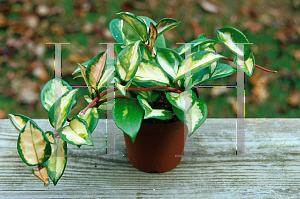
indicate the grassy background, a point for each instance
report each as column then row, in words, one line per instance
column 27, row 62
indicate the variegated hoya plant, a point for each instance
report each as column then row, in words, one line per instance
column 144, row 72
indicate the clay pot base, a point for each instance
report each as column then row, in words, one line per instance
column 155, row 147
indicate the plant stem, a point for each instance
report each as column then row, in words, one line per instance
column 110, row 98
column 257, row 66
column 90, row 105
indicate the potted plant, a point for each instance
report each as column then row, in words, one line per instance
column 154, row 100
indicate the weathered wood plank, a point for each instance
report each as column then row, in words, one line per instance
column 270, row 167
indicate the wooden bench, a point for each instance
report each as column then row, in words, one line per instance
column 269, row 168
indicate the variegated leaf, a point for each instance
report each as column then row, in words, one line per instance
column 136, row 23
column 77, row 133
column 91, row 117
column 50, row 136
column 102, row 107
column 149, row 74
column 169, row 61
column 222, row 70
column 33, row 145
column 120, row 87
column 193, row 45
column 246, row 65
column 95, row 68
column 195, row 117
column 197, row 62
column 84, row 64
column 56, row 164
column 213, row 66
column 128, row 115
column 83, row 74
column 19, row 121
column 108, row 74
column 60, row 110
column 42, row 175
column 166, row 24
column 115, row 27
column 49, row 93
column 231, row 37
column 183, row 101
column 160, row 41
column 128, row 61
column 161, row 114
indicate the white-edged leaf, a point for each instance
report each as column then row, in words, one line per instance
column 83, row 74
column 77, row 133
column 91, row 118
column 234, row 39
column 56, row 164
column 150, row 74
column 128, row 61
column 95, row 68
column 169, row 60
column 246, row 65
column 49, row 94
column 33, row 145
column 166, row 24
column 183, row 101
column 108, row 73
column 19, row 121
column 195, row 117
column 120, row 87
column 161, row 114
column 150, row 96
column 60, row 110
column 197, row 62
column 136, row 23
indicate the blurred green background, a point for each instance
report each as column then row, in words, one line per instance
column 27, row 63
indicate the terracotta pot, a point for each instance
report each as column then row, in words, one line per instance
column 156, row 145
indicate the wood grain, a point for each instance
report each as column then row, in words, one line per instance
column 270, row 168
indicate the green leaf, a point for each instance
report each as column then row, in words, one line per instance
column 222, row 70
column 128, row 116
column 178, row 99
column 149, row 74
column 160, row 41
column 77, row 133
column 230, row 37
column 195, row 117
column 33, row 146
column 56, row 164
column 91, row 117
column 169, row 61
column 136, row 23
column 198, row 61
column 19, row 121
column 42, row 175
column 115, row 27
column 128, row 61
column 161, row 114
column 95, row 68
column 166, row 24
column 48, row 93
column 60, row 110
column 247, row 65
